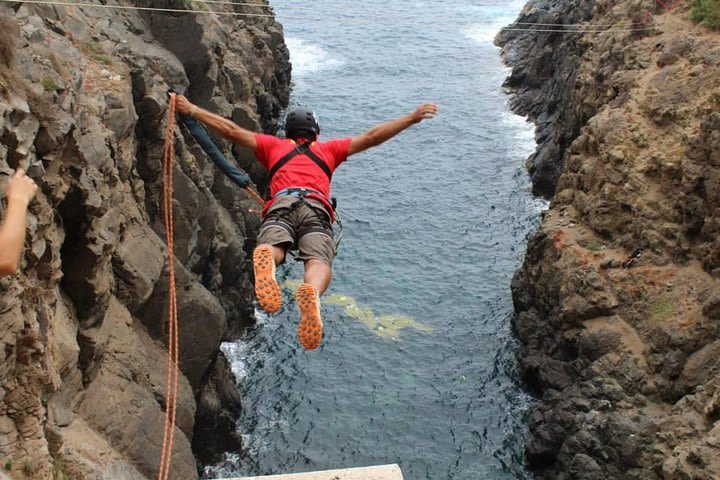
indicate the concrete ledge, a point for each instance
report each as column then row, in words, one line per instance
column 381, row 472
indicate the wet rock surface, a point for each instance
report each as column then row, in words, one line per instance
column 617, row 299
column 83, row 326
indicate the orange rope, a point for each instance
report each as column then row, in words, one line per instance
column 172, row 384
column 173, row 373
column 255, row 196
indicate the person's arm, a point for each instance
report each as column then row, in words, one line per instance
column 237, row 176
column 385, row 131
column 219, row 125
column 20, row 190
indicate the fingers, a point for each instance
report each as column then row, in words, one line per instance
column 427, row 110
column 21, row 179
column 21, row 187
column 27, row 183
column 182, row 104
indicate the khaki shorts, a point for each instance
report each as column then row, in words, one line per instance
column 303, row 226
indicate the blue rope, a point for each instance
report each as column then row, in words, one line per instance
column 237, row 176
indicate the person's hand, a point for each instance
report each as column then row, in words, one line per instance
column 424, row 111
column 183, row 106
column 20, row 188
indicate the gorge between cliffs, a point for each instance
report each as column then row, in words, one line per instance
column 617, row 301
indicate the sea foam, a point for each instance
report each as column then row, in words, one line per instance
column 485, row 32
column 307, row 57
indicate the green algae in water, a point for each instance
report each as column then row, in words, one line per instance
column 386, row 326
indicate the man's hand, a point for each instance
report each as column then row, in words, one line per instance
column 21, row 188
column 183, row 106
column 219, row 125
column 385, row 131
column 424, row 111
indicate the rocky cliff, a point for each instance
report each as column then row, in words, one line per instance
column 618, row 299
column 82, row 327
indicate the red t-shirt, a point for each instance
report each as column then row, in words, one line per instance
column 301, row 171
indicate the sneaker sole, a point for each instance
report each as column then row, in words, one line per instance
column 267, row 291
column 311, row 327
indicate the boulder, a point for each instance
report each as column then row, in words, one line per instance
column 137, row 265
column 217, row 411
column 711, row 306
column 124, row 401
column 201, row 322
column 701, row 367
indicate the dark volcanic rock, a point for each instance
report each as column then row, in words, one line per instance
column 83, row 97
column 617, row 300
column 544, row 68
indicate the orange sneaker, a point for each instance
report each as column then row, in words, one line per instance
column 310, row 328
column 267, row 290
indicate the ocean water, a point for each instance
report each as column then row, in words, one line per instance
column 416, row 366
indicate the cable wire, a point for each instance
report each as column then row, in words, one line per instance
column 133, row 7
column 576, row 31
column 562, row 28
column 333, row 10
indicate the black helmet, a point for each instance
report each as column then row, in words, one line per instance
column 301, row 121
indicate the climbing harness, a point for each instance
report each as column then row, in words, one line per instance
column 173, row 373
column 304, row 192
column 301, row 149
column 324, row 218
column 304, row 149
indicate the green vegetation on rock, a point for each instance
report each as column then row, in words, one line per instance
column 201, row 5
column 49, row 84
column 28, row 469
column 103, row 59
column 661, row 309
column 4, row 85
column 707, row 12
column 59, row 470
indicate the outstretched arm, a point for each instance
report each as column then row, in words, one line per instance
column 219, row 125
column 237, row 176
column 385, row 131
column 20, row 190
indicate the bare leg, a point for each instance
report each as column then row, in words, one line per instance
column 317, row 278
column 318, row 274
column 278, row 253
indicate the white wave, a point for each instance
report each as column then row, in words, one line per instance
column 227, row 467
column 523, row 132
column 261, row 318
column 484, row 33
column 538, row 204
column 236, row 353
column 521, row 126
column 307, row 57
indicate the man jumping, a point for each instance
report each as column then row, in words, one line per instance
column 300, row 214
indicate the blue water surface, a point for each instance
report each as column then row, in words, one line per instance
column 435, row 224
